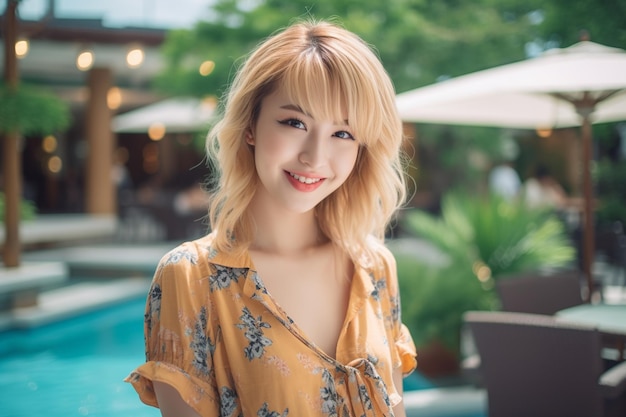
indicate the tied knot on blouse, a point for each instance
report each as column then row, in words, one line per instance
column 367, row 389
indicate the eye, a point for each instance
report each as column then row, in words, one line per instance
column 342, row 134
column 293, row 122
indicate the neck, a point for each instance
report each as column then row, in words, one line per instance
column 284, row 232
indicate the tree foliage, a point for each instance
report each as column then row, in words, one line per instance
column 31, row 110
column 563, row 20
column 419, row 41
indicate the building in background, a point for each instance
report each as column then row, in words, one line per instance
column 100, row 71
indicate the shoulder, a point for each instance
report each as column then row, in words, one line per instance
column 187, row 253
column 380, row 255
column 200, row 259
column 206, row 248
column 381, row 264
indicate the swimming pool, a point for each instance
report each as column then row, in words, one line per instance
column 74, row 367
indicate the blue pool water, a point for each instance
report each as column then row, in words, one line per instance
column 76, row 367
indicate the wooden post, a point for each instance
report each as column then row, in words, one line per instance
column 12, row 171
column 99, row 186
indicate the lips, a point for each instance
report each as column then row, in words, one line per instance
column 303, row 179
column 303, row 183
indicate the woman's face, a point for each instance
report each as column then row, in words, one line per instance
column 299, row 160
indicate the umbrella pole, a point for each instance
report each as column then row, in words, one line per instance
column 588, row 237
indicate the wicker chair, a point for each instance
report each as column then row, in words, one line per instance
column 534, row 365
column 540, row 293
column 536, row 293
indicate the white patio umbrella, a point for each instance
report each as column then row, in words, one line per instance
column 175, row 115
column 563, row 87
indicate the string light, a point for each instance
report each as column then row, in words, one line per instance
column 49, row 144
column 156, row 131
column 55, row 164
column 206, row 68
column 544, row 132
column 21, row 48
column 84, row 61
column 114, row 98
column 135, row 57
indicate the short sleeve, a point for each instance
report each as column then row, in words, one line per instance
column 179, row 345
column 406, row 350
column 405, row 353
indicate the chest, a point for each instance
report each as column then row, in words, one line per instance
column 314, row 293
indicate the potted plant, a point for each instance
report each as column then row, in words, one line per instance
column 482, row 239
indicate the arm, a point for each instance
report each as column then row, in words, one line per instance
column 398, row 410
column 170, row 379
column 170, row 402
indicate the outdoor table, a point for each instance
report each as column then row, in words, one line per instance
column 610, row 320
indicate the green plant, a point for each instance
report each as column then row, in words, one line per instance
column 435, row 297
column 505, row 237
column 483, row 239
column 28, row 211
column 31, row 110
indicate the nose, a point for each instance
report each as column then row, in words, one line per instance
column 314, row 151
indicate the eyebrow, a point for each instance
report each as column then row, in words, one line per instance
column 300, row 110
column 294, row 108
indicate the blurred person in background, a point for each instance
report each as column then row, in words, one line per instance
column 541, row 190
column 504, row 181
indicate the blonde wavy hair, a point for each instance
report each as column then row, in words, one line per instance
column 325, row 69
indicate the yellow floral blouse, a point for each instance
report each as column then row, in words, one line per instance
column 214, row 333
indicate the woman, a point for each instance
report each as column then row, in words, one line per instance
column 290, row 306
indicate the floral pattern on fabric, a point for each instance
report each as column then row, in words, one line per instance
column 228, row 400
column 328, row 394
column 265, row 412
column 254, row 333
column 215, row 334
column 223, row 277
column 201, row 344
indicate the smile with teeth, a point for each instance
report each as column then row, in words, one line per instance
column 305, row 180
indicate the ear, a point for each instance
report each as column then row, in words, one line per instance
column 249, row 138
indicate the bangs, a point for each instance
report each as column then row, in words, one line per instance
column 329, row 91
